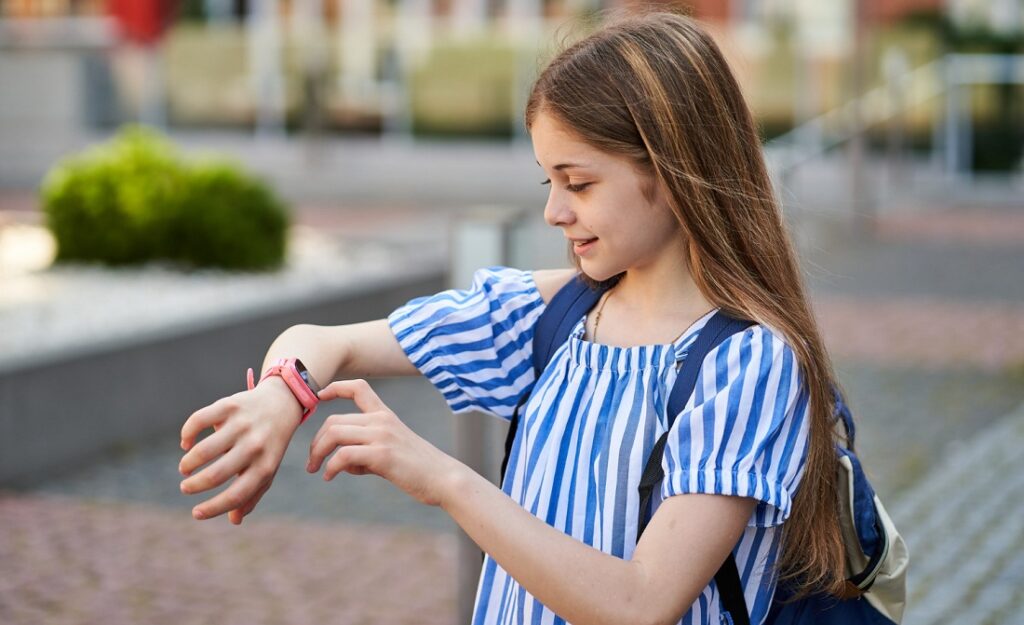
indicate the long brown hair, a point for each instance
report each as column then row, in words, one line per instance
column 655, row 88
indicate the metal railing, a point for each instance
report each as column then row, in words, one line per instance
column 904, row 89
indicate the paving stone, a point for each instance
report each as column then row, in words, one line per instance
column 986, row 227
column 925, row 333
column 965, row 532
column 216, row 574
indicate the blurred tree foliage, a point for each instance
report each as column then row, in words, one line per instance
column 134, row 200
column 998, row 129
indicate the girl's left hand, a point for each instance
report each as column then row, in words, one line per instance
column 378, row 442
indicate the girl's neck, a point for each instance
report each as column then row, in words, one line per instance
column 642, row 309
column 660, row 292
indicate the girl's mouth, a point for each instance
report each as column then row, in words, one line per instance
column 581, row 247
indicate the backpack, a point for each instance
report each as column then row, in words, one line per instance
column 876, row 555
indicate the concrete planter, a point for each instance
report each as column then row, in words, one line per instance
column 62, row 410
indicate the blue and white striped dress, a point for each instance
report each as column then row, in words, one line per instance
column 593, row 417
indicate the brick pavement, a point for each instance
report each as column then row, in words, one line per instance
column 977, row 226
column 69, row 561
column 964, row 526
column 923, row 332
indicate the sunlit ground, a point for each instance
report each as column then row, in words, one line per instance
column 25, row 248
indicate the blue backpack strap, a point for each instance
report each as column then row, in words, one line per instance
column 716, row 330
column 570, row 303
column 843, row 412
column 564, row 310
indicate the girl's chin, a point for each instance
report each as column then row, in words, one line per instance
column 596, row 272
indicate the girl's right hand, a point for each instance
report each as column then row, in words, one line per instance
column 253, row 429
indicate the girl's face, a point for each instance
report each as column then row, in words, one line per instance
column 596, row 198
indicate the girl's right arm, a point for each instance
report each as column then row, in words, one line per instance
column 253, row 428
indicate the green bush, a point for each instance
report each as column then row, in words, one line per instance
column 134, row 200
column 106, row 204
column 230, row 220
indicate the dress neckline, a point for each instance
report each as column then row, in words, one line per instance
column 622, row 358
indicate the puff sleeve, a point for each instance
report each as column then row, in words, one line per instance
column 475, row 345
column 744, row 430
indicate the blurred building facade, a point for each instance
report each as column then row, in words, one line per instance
column 431, row 67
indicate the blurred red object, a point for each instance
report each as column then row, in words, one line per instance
column 142, row 21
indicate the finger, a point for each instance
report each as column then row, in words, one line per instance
column 209, row 448
column 204, row 418
column 231, row 498
column 355, row 460
column 249, row 507
column 236, row 460
column 236, row 515
column 339, row 419
column 357, row 390
column 337, row 436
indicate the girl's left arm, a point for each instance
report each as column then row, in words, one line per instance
column 679, row 553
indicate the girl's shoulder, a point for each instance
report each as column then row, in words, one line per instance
column 760, row 356
column 549, row 281
column 760, row 336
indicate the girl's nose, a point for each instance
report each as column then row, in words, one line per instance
column 557, row 211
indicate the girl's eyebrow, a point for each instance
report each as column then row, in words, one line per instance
column 562, row 166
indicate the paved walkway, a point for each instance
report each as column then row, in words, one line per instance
column 964, row 526
column 67, row 560
column 925, row 325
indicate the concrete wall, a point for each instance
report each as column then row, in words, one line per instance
column 43, row 89
column 56, row 415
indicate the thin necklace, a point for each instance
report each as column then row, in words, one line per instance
column 597, row 318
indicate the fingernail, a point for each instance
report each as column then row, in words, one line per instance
column 309, row 467
column 199, row 515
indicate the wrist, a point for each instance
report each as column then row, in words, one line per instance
column 456, row 479
column 297, row 378
column 276, row 390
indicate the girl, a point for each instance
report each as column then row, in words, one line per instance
column 657, row 180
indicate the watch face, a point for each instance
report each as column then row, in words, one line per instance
column 306, row 377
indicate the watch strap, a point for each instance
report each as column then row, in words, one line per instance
column 292, row 379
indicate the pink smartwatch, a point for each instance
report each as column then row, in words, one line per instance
column 298, row 379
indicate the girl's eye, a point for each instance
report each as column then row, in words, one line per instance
column 572, row 188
